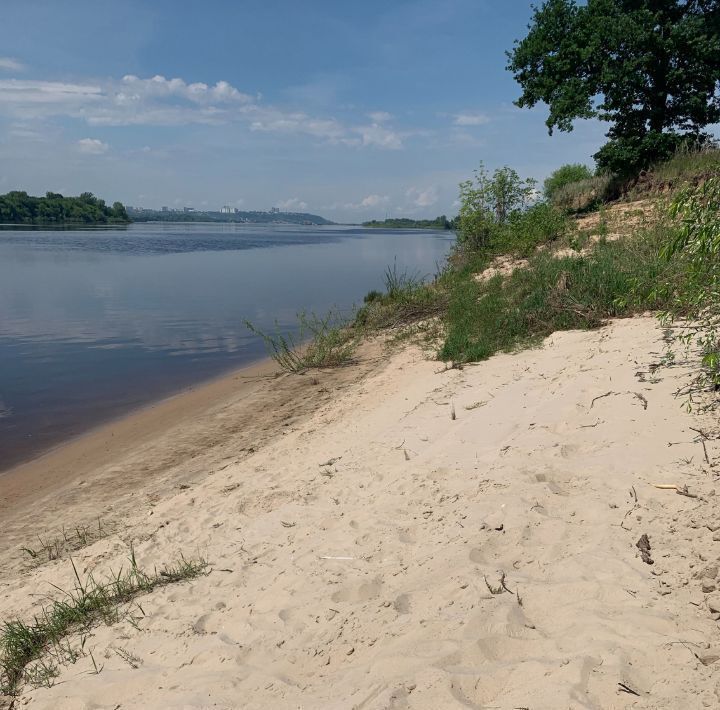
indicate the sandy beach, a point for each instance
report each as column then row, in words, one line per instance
column 395, row 534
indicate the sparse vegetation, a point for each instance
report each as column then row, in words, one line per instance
column 692, row 244
column 321, row 341
column 68, row 541
column 32, row 652
column 407, row 299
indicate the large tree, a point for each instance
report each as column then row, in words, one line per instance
column 649, row 67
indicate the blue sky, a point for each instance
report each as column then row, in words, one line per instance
column 349, row 110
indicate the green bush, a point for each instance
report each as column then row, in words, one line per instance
column 540, row 224
column 488, row 201
column 565, row 175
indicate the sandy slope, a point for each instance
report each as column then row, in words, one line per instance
column 362, row 584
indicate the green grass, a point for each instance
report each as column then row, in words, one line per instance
column 551, row 294
column 30, row 652
column 687, row 164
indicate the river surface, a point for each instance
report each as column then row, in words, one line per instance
column 97, row 322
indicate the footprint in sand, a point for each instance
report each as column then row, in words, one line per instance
column 406, row 536
column 402, row 604
column 363, row 593
column 477, row 556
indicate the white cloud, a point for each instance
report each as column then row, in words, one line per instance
column 28, row 133
column 377, row 135
column 463, row 137
column 134, row 88
column 10, row 64
column 422, row 198
column 294, row 204
column 368, row 202
column 158, row 101
column 92, row 146
column 271, row 120
column 374, row 201
column 470, row 119
column 56, row 96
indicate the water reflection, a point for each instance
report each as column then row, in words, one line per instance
column 94, row 322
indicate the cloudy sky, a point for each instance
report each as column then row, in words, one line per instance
column 349, row 110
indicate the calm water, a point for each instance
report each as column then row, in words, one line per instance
column 96, row 322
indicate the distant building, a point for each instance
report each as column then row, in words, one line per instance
column 188, row 209
column 164, row 209
column 274, row 210
column 225, row 210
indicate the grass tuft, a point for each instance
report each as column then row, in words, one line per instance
column 322, row 341
column 69, row 540
column 32, row 652
column 407, row 300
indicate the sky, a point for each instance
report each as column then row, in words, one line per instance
column 350, row 110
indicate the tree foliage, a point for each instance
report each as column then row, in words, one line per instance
column 18, row 207
column 651, row 68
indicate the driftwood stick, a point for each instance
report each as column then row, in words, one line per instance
column 600, row 396
column 627, row 689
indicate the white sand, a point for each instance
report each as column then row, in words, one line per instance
column 366, row 588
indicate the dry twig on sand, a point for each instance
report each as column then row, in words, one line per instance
column 680, row 490
column 627, row 689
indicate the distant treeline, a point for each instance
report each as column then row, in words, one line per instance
column 144, row 215
column 20, row 208
column 233, row 217
column 441, row 222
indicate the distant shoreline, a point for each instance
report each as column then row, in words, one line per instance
column 439, row 223
column 18, row 207
column 233, row 217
